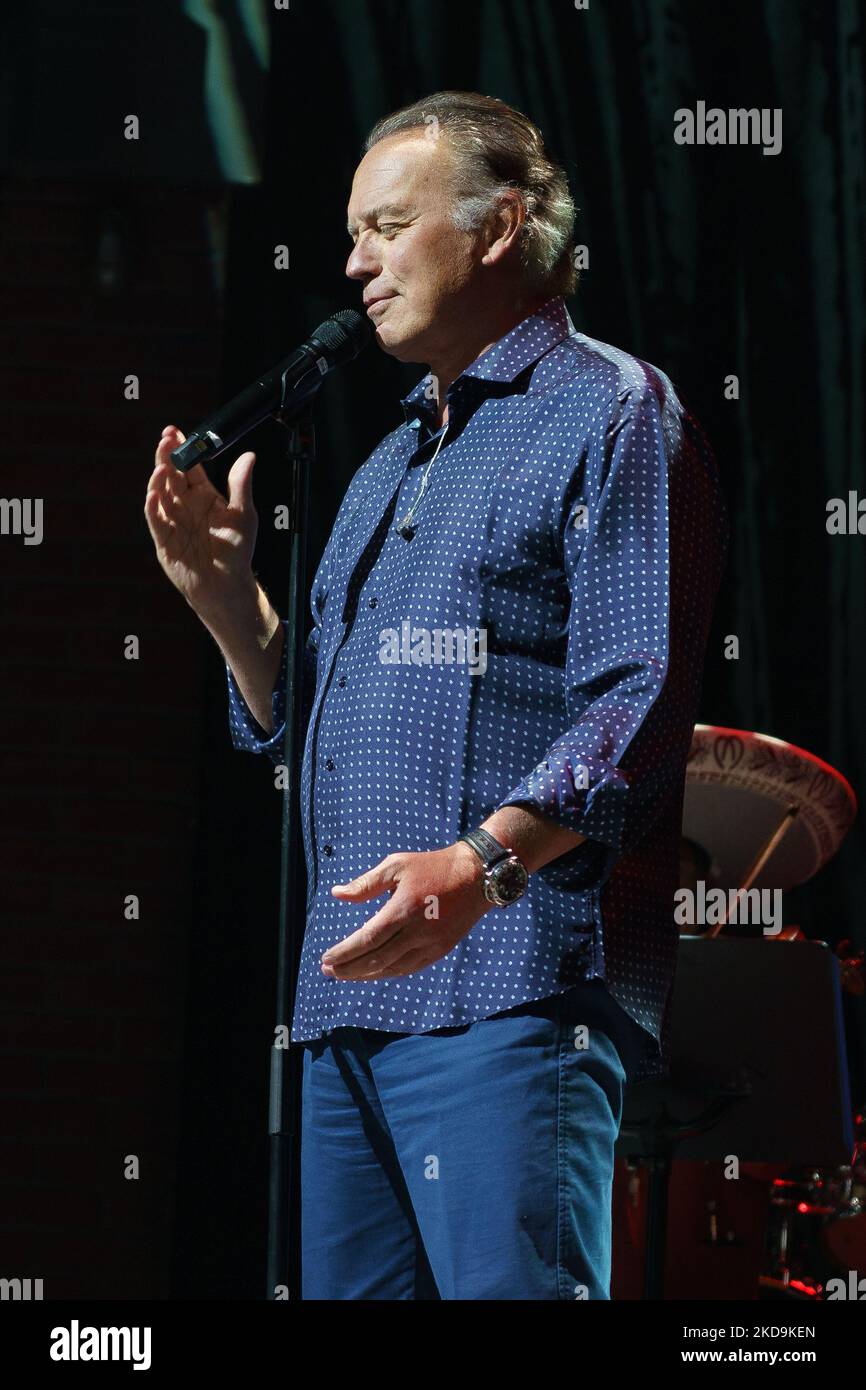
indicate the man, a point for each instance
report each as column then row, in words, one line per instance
column 510, row 621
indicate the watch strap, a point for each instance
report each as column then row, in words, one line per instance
column 488, row 849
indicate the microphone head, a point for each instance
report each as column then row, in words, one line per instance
column 341, row 337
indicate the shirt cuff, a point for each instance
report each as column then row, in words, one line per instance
column 246, row 732
column 588, row 797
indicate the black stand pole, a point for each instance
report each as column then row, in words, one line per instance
column 283, row 1246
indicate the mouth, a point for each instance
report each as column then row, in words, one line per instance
column 378, row 302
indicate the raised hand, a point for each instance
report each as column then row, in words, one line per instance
column 204, row 542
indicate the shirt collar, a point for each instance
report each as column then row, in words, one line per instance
column 518, row 349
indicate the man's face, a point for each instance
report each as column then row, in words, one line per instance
column 408, row 253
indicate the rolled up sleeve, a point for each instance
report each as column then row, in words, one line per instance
column 246, row 732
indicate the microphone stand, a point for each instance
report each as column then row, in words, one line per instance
column 283, row 1250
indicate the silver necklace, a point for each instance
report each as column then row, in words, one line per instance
column 405, row 527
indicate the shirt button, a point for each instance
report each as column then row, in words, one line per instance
column 329, row 764
column 328, row 849
column 342, row 681
column 373, row 602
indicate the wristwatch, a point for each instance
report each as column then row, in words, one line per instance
column 505, row 877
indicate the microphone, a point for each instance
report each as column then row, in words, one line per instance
column 284, row 389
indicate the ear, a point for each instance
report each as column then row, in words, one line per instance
column 505, row 225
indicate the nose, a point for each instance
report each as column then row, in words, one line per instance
column 363, row 263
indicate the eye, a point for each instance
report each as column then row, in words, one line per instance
column 389, row 228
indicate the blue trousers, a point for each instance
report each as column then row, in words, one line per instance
column 473, row 1162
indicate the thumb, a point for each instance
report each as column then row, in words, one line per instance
column 372, row 884
column 240, row 483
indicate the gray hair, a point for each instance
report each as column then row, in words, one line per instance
column 497, row 148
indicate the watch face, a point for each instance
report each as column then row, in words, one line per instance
column 508, row 881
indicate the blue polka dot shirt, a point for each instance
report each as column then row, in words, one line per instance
column 538, row 641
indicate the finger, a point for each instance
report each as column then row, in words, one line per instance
column 173, row 485
column 240, row 482
column 176, row 488
column 367, row 940
column 407, row 964
column 166, row 476
column 197, row 477
column 157, row 512
column 158, row 522
column 171, row 439
column 380, row 879
column 370, row 962
column 375, row 967
column 167, row 482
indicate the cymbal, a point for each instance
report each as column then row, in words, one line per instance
column 741, row 787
